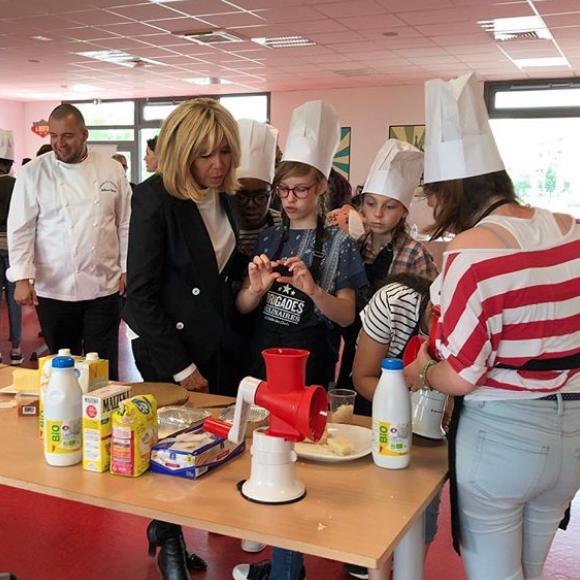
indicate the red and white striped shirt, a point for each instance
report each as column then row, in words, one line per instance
column 511, row 306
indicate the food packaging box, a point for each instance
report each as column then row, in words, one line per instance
column 192, row 454
column 27, row 406
column 134, row 435
column 93, row 374
column 97, row 426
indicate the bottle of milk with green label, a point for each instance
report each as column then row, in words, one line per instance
column 63, row 414
column 392, row 433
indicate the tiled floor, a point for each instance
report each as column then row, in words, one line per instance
column 45, row 538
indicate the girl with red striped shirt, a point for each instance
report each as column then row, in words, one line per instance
column 509, row 342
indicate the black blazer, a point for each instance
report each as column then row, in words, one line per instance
column 177, row 301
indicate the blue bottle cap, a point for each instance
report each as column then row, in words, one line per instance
column 63, row 362
column 392, row 364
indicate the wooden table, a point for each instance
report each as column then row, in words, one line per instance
column 354, row 511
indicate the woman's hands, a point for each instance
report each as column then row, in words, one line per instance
column 195, row 382
column 301, row 277
column 261, row 274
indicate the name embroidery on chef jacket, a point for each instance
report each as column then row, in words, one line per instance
column 108, row 186
column 283, row 307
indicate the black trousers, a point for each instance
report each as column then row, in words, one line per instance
column 84, row 326
column 222, row 371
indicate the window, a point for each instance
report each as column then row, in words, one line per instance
column 127, row 125
column 536, row 128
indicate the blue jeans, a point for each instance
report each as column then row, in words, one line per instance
column 14, row 310
column 286, row 565
column 518, row 469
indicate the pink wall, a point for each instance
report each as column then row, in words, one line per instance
column 36, row 111
column 12, row 117
column 369, row 111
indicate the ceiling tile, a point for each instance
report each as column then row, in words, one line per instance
column 344, row 9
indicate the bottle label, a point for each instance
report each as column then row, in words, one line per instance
column 391, row 439
column 63, row 437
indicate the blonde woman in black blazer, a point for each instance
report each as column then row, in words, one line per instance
column 182, row 240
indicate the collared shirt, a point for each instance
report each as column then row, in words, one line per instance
column 408, row 256
column 68, row 227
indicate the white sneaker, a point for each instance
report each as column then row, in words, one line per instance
column 252, row 547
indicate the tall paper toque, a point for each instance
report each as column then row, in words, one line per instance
column 396, row 171
column 459, row 142
column 6, row 144
column 258, row 143
column 314, row 135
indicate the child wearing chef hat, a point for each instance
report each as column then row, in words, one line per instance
column 303, row 278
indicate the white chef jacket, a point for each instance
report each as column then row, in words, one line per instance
column 68, row 227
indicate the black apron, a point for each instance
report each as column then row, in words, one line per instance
column 375, row 271
column 287, row 319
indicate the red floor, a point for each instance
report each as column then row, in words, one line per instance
column 44, row 538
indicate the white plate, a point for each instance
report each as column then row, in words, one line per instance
column 360, row 437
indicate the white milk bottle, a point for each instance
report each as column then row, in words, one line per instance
column 63, row 414
column 392, row 435
column 44, row 373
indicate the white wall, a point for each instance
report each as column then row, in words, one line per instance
column 369, row 111
column 12, row 117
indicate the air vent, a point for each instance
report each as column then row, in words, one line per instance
column 514, row 29
column 210, row 37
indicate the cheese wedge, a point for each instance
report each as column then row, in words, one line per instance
column 340, row 446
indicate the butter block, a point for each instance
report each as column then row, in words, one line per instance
column 25, row 380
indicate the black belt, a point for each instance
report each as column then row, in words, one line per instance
column 547, row 364
column 565, row 397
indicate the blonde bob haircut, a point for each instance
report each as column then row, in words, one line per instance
column 191, row 131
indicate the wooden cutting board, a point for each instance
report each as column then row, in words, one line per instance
column 165, row 393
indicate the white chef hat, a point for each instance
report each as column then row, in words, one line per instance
column 396, row 171
column 459, row 142
column 6, row 145
column 314, row 135
column 258, row 144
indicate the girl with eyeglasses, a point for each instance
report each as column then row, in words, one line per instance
column 303, row 277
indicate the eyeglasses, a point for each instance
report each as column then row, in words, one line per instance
column 300, row 191
column 257, row 197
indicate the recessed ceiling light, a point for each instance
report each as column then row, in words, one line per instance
column 531, row 62
column 121, row 58
column 204, row 81
column 80, row 88
column 283, row 41
column 34, row 61
column 42, row 38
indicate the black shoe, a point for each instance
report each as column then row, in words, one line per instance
column 356, row 571
column 194, row 562
column 257, row 571
column 172, row 557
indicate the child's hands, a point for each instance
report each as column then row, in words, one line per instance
column 300, row 278
column 261, row 274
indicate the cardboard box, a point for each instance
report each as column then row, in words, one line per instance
column 97, row 427
column 134, row 435
column 192, row 454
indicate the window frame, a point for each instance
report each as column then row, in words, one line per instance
column 491, row 88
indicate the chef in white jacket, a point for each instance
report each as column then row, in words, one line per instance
column 67, row 234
